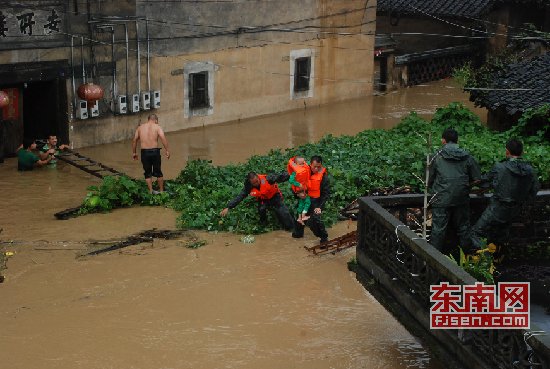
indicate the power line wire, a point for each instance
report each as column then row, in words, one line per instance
column 454, row 24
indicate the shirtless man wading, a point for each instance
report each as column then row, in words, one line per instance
column 149, row 133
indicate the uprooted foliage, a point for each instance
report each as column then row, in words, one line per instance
column 357, row 165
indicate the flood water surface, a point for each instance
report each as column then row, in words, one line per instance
column 162, row 305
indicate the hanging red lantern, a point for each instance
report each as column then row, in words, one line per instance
column 90, row 92
column 4, row 99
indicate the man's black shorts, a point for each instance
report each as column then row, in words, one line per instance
column 150, row 158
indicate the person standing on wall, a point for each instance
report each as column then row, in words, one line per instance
column 451, row 174
column 319, row 192
column 514, row 182
column 148, row 134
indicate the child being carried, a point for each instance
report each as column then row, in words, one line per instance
column 304, row 202
column 299, row 172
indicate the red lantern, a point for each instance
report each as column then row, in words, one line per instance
column 90, row 92
column 4, row 99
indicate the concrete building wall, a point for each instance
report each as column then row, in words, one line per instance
column 249, row 44
column 248, row 82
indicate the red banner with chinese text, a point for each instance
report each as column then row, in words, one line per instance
column 11, row 112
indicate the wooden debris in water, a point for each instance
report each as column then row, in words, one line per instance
column 145, row 236
column 335, row 245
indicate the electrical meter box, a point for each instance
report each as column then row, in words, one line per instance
column 135, row 103
column 121, row 106
column 156, row 99
column 82, row 109
column 145, row 101
column 93, row 111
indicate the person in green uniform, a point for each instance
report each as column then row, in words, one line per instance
column 514, row 182
column 51, row 148
column 451, row 174
column 27, row 159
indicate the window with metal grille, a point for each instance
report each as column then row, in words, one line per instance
column 301, row 74
column 198, row 90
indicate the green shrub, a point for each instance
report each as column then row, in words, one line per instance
column 357, row 164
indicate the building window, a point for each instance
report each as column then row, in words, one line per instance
column 198, row 89
column 302, row 73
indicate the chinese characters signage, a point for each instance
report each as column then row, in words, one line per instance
column 480, row 306
column 32, row 21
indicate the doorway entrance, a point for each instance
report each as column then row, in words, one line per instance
column 38, row 102
column 42, row 109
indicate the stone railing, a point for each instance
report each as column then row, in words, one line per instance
column 405, row 265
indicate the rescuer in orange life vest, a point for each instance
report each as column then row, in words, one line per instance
column 264, row 188
column 299, row 172
column 319, row 192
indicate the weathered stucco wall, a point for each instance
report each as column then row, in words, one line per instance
column 251, row 74
column 247, row 82
column 248, row 43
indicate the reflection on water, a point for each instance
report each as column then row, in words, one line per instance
column 265, row 305
column 236, row 141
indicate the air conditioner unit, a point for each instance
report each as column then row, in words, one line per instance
column 82, row 110
column 94, row 110
column 145, row 101
column 121, row 105
column 156, row 99
column 135, row 103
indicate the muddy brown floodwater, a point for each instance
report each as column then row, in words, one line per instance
column 162, row 305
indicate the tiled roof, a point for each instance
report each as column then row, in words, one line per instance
column 383, row 40
column 533, row 74
column 444, row 8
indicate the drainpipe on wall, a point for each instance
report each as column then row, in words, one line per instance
column 127, row 56
column 72, row 73
column 102, row 28
column 115, row 20
column 148, row 53
column 82, row 59
column 114, row 63
column 138, row 61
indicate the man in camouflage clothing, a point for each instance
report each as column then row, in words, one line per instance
column 514, row 181
column 452, row 171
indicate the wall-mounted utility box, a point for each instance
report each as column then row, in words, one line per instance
column 93, row 111
column 135, row 103
column 82, row 109
column 145, row 101
column 121, row 106
column 156, row 99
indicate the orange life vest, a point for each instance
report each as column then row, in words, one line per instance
column 315, row 179
column 302, row 173
column 266, row 190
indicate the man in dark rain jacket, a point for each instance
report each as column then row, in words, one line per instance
column 264, row 188
column 319, row 192
column 452, row 172
column 514, row 181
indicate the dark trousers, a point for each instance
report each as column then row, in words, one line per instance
column 315, row 223
column 493, row 223
column 459, row 217
column 279, row 208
